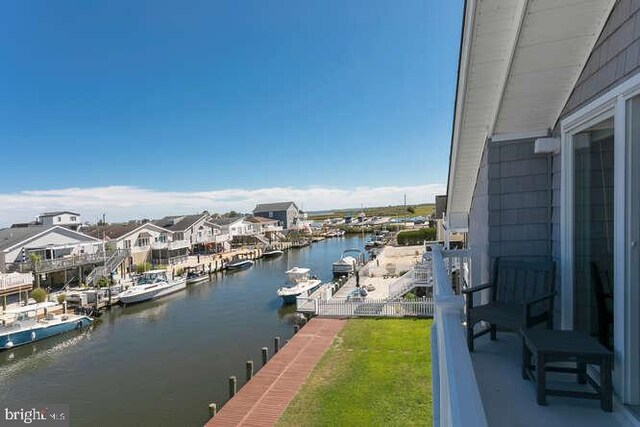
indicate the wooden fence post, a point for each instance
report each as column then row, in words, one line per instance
column 232, row 386
column 213, row 409
column 249, row 366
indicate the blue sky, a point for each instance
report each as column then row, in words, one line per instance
column 213, row 95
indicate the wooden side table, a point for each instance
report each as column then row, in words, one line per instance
column 549, row 346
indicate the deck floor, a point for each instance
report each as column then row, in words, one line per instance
column 262, row 400
column 510, row 401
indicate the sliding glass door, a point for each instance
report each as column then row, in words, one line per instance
column 593, row 225
column 632, row 243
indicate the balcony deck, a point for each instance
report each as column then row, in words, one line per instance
column 509, row 400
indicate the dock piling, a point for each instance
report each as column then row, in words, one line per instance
column 276, row 345
column 233, row 381
column 265, row 355
column 213, row 409
column 249, row 369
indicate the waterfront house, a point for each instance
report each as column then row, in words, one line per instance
column 286, row 212
column 543, row 164
column 145, row 241
column 18, row 246
column 194, row 229
column 220, row 236
column 233, row 226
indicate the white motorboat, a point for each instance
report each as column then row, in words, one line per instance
column 239, row 264
column 152, row 285
column 271, row 253
column 347, row 264
column 299, row 283
column 196, row 275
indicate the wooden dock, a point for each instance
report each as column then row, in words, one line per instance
column 262, row 400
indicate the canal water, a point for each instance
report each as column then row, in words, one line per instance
column 161, row 363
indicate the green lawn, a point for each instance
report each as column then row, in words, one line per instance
column 376, row 373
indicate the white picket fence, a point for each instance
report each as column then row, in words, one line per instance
column 421, row 307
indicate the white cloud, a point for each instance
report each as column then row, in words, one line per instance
column 125, row 202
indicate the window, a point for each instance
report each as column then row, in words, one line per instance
column 142, row 242
column 127, row 244
column 270, row 214
column 59, row 219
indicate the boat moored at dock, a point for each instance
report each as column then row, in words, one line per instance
column 152, row 285
column 299, row 283
column 21, row 326
column 195, row 275
column 239, row 264
column 348, row 262
column 271, row 253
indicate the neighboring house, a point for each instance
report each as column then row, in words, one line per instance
column 47, row 242
column 234, row 226
column 286, row 212
column 191, row 228
column 221, row 237
column 147, row 242
column 545, row 153
column 262, row 225
column 65, row 218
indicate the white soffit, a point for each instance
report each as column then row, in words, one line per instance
column 520, row 60
column 555, row 42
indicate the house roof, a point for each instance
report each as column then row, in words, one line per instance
column 55, row 213
column 11, row 237
column 179, row 223
column 273, row 207
column 259, row 219
column 226, row 220
column 116, row 231
column 519, row 62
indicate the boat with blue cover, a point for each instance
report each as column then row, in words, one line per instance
column 21, row 325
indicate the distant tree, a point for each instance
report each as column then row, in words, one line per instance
column 411, row 210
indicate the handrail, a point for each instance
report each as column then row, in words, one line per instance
column 13, row 280
column 457, row 400
column 401, row 284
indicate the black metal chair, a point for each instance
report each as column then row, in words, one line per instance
column 522, row 296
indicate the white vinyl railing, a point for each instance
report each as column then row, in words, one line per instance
column 456, row 396
column 15, row 280
column 420, row 307
column 402, row 284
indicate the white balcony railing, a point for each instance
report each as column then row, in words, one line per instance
column 176, row 244
column 15, row 280
column 456, row 396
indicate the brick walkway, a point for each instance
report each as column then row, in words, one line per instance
column 262, row 400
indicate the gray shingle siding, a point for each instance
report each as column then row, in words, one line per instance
column 511, row 210
column 615, row 56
